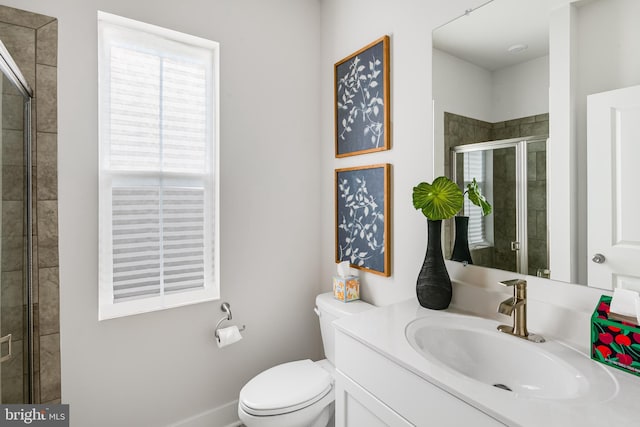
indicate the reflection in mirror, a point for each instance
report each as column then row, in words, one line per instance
column 490, row 92
column 507, row 70
column 512, row 174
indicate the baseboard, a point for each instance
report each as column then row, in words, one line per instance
column 222, row 416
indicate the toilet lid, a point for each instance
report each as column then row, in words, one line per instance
column 285, row 388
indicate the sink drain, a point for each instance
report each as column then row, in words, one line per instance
column 502, row 386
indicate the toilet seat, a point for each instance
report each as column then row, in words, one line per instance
column 285, row 388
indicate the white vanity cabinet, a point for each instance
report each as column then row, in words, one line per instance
column 372, row 390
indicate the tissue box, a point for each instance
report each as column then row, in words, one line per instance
column 614, row 343
column 346, row 288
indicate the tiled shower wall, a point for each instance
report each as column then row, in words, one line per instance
column 460, row 130
column 32, row 40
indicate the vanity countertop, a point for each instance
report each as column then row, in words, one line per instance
column 383, row 330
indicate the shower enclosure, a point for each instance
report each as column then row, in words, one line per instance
column 512, row 175
column 16, row 266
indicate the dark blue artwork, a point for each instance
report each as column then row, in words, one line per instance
column 361, row 113
column 361, row 217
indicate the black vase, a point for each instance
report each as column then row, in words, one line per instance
column 434, row 285
column 461, row 251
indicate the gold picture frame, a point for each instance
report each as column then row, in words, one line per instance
column 362, row 100
column 363, row 203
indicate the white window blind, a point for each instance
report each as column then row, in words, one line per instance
column 474, row 167
column 158, row 168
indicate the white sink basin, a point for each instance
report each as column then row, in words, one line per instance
column 472, row 347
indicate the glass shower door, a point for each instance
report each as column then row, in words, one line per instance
column 16, row 316
column 493, row 239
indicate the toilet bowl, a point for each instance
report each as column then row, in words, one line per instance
column 299, row 393
column 293, row 394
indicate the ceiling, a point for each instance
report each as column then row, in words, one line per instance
column 484, row 35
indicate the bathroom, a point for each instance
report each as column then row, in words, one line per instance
column 163, row 368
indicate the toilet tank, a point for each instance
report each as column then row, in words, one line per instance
column 330, row 309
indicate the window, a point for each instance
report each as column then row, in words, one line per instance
column 159, row 227
column 477, row 164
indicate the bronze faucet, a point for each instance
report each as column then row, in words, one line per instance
column 517, row 307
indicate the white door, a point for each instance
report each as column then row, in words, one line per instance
column 613, row 147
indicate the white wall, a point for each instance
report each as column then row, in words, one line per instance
column 347, row 25
column 521, row 90
column 459, row 87
column 159, row 368
column 608, row 42
column 463, row 88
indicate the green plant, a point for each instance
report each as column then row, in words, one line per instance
column 476, row 197
column 441, row 199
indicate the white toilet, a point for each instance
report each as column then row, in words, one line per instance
column 300, row 393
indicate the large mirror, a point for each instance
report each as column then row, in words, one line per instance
column 511, row 81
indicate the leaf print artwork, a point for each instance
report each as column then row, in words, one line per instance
column 361, row 92
column 361, row 217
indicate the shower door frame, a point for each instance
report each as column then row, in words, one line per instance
column 520, row 145
column 11, row 70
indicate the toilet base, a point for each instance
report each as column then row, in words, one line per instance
column 320, row 414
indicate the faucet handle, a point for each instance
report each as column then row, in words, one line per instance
column 514, row 282
column 519, row 287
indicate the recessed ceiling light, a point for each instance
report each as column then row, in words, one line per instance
column 517, row 48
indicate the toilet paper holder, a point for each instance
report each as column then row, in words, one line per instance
column 226, row 307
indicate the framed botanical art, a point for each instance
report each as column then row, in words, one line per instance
column 362, row 217
column 361, row 83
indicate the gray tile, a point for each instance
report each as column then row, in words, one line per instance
column 536, row 146
column 537, row 195
column 531, row 166
column 12, row 147
column 47, row 173
column 542, row 117
column 47, row 46
column 13, row 375
column 481, row 134
column 49, row 367
column 23, row 17
column 36, row 381
column 541, row 224
column 8, row 88
column 454, row 141
column 46, row 99
column 532, row 224
column 537, row 128
column 13, row 294
column 505, row 133
column 12, row 112
column 520, row 121
column 21, row 44
column 467, row 133
column 13, row 236
column 541, row 166
column 47, row 176
column 49, row 301
column 454, row 128
column 12, row 183
column 47, row 233
column 537, row 255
